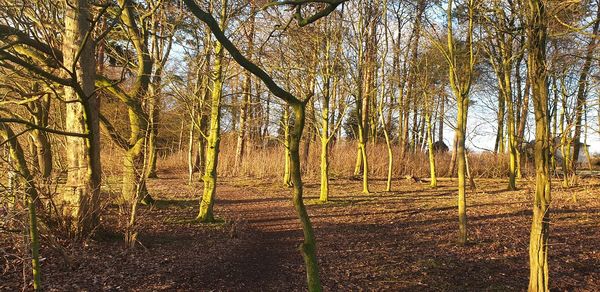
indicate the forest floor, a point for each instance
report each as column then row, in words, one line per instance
column 400, row 240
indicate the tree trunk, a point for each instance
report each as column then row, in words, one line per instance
column 536, row 28
column 461, row 84
column 499, row 146
column 247, row 95
column 81, row 197
column 522, row 123
column 441, row 117
column 190, row 155
column 134, row 161
column 461, row 126
column 214, row 137
column 325, row 137
column 308, row 247
column 18, row 156
column 581, row 93
column 287, row 174
column 433, row 183
column 153, row 114
column 40, row 138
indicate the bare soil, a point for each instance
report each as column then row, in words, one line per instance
column 400, row 240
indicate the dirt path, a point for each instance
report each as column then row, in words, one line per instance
column 403, row 240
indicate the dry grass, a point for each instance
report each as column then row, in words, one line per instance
column 268, row 162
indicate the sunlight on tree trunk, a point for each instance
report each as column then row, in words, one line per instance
column 461, row 85
column 81, row 197
column 433, row 183
column 287, row 174
column 214, row 136
column 536, row 29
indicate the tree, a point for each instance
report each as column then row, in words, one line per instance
column 461, row 77
column 582, row 86
column 73, row 68
column 331, row 51
column 247, row 91
column 308, row 247
column 83, row 181
column 163, row 24
column 17, row 155
column 536, row 25
column 502, row 58
column 214, row 136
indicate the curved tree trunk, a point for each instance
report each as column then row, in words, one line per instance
column 308, row 247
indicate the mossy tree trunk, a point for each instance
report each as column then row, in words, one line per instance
column 214, row 136
column 328, row 125
column 432, row 174
column 135, row 160
column 308, row 247
column 285, row 123
column 325, row 137
column 461, row 125
column 366, row 89
column 20, row 165
column 460, row 82
column 385, row 126
column 536, row 29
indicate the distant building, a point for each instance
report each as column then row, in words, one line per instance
column 558, row 152
column 528, row 150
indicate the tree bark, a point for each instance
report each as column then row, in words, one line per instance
column 581, row 92
column 536, row 29
column 247, row 94
column 81, row 197
column 214, row 137
column 20, row 164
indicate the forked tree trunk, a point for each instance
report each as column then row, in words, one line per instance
column 461, row 84
column 536, row 28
